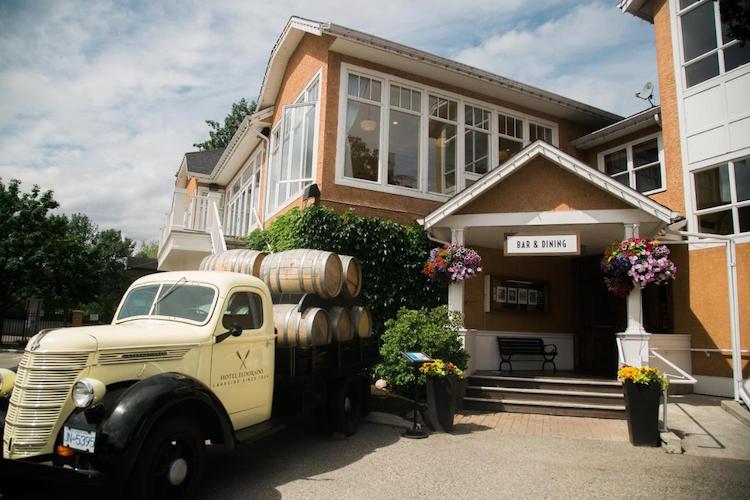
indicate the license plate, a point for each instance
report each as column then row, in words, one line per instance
column 79, row 439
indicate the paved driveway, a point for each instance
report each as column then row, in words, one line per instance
column 9, row 359
column 378, row 463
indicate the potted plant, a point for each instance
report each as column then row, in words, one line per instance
column 442, row 380
column 636, row 262
column 642, row 387
column 451, row 263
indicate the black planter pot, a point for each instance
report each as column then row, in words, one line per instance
column 441, row 402
column 642, row 408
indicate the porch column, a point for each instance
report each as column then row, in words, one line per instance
column 634, row 341
column 456, row 289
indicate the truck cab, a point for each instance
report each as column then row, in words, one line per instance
column 188, row 360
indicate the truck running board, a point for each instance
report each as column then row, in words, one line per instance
column 258, row 431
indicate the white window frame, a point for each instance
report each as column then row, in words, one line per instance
column 474, row 128
column 383, row 140
column 628, row 147
column 386, row 80
column 447, row 121
column 276, row 130
column 421, row 151
column 734, row 205
column 719, row 49
column 246, row 187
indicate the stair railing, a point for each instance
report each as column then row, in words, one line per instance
column 218, row 242
column 682, row 378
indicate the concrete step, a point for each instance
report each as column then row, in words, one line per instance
column 545, row 407
column 547, row 383
column 558, row 395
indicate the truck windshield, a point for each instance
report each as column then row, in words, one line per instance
column 191, row 302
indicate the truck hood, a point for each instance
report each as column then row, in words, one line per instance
column 133, row 335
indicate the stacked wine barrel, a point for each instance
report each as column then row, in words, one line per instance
column 314, row 293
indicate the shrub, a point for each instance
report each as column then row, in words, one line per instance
column 433, row 331
column 391, row 255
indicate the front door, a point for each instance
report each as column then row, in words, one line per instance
column 242, row 367
column 598, row 316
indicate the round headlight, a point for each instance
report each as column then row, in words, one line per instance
column 7, row 379
column 86, row 391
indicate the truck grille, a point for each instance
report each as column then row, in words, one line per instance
column 42, row 387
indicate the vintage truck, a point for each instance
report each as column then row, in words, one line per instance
column 189, row 361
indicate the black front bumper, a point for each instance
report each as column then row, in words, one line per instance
column 28, row 478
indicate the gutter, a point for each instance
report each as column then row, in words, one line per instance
column 629, row 125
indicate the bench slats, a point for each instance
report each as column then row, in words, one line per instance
column 509, row 346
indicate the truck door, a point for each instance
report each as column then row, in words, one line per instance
column 242, row 366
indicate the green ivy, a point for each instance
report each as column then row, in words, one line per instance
column 434, row 332
column 391, row 255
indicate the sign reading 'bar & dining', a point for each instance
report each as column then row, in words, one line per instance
column 542, row 244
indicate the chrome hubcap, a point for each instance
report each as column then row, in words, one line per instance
column 177, row 471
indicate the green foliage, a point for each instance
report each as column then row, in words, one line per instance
column 434, row 332
column 219, row 136
column 391, row 255
column 147, row 250
column 65, row 261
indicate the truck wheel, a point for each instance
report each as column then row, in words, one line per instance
column 347, row 406
column 171, row 462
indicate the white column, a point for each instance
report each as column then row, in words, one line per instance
column 634, row 341
column 456, row 289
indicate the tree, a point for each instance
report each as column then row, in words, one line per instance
column 220, row 136
column 147, row 250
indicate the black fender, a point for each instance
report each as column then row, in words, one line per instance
column 123, row 425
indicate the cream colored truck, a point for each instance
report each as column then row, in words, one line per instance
column 189, row 361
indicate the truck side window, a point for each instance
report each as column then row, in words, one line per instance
column 244, row 309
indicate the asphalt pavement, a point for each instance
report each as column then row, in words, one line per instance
column 9, row 359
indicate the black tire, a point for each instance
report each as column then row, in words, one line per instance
column 171, row 462
column 346, row 410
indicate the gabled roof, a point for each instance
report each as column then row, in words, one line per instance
column 633, row 123
column 202, row 162
column 639, row 8
column 376, row 49
column 563, row 160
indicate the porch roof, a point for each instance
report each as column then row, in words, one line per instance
column 557, row 157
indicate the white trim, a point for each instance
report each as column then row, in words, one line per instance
column 551, row 218
column 386, row 81
column 630, row 169
column 540, row 148
column 733, row 205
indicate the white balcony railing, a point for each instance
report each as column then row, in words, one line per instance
column 193, row 213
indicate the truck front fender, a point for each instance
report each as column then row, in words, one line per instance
column 127, row 423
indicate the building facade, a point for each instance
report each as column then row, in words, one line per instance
column 353, row 121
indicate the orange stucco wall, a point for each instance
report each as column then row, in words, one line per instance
column 555, row 271
column 541, row 186
column 701, row 299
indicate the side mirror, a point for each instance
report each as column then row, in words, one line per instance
column 234, row 331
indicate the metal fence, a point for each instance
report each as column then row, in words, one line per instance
column 19, row 330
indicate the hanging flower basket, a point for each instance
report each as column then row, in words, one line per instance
column 452, row 263
column 636, row 262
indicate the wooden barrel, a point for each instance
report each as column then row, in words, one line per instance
column 294, row 329
column 303, row 271
column 361, row 321
column 237, row 261
column 352, row 276
column 340, row 324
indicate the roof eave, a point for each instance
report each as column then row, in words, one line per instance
column 638, row 8
column 622, row 128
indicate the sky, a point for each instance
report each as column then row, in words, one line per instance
column 99, row 100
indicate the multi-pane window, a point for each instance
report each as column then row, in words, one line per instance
column 708, row 49
column 404, row 137
column 362, row 155
column 293, row 149
column 243, row 200
column 540, row 133
column 636, row 165
column 476, row 139
column 442, row 145
column 722, row 198
column 510, row 141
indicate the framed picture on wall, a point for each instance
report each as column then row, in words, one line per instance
column 523, row 296
column 502, row 294
column 512, row 295
column 532, row 297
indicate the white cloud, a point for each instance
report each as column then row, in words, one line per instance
column 101, row 99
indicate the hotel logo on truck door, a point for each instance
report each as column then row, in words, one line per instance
column 243, row 373
column 543, row 244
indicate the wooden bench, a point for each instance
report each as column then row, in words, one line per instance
column 521, row 345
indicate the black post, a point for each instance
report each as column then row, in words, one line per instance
column 414, row 432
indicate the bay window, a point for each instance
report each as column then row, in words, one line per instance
column 636, row 164
column 722, row 198
column 293, row 146
column 243, row 199
column 402, row 137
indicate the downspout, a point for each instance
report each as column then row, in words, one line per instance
column 734, row 310
column 268, row 166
